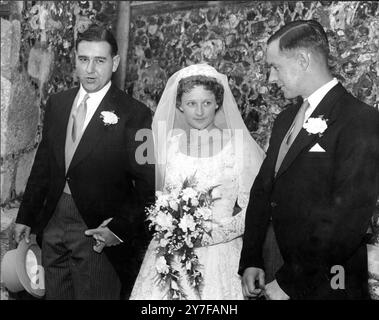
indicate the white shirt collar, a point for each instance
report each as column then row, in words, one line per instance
column 315, row 98
column 97, row 96
column 93, row 101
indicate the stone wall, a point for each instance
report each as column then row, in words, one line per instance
column 20, row 115
column 229, row 36
column 232, row 38
column 20, row 125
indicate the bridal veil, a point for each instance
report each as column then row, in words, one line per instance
column 167, row 118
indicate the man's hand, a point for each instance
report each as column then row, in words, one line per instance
column 103, row 236
column 253, row 282
column 274, row 292
column 21, row 231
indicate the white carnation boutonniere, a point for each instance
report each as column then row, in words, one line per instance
column 109, row 117
column 316, row 125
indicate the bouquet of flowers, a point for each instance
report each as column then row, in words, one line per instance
column 181, row 217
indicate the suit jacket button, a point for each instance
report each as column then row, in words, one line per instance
column 273, row 204
column 67, row 179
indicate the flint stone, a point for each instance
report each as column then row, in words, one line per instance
column 24, row 167
column 23, row 115
column 6, row 50
column 6, row 178
column 5, row 102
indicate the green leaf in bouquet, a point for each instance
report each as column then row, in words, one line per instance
column 197, row 242
column 209, row 191
column 190, row 181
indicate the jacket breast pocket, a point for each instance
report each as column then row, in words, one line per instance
column 317, row 155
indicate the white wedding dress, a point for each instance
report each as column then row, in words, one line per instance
column 220, row 259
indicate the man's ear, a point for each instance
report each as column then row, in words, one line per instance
column 303, row 59
column 180, row 108
column 116, row 61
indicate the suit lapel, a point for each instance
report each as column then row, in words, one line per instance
column 286, row 123
column 60, row 126
column 95, row 130
column 282, row 128
column 304, row 139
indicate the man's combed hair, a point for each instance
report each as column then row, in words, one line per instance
column 209, row 83
column 98, row 33
column 302, row 34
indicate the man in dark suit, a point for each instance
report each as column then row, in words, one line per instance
column 319, row 182
column 87, row 189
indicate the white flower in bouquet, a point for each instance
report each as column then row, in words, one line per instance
column 188, row 193
column 188, row 241
column 188, row 265
column 181, row 218
column 174, row 286
column 174, row 192
column 194, row 202
column 204, row 212
column 164, row 220
column 163, row 242
column 187, row 223
column 174, row 205
column 162, row 200
column 161, row 265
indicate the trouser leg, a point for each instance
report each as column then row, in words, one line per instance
column 93, row 275
column 56, row 260
column 73, row 270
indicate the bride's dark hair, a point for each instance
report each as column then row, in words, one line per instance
column 209, row 83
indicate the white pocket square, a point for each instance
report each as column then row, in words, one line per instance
column 317, row 148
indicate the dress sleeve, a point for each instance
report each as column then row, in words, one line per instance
column 229, row 228
column 226, row 229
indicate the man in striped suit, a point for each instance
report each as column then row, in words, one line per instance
column 86, row 192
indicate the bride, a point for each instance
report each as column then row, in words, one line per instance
column 196, row 103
